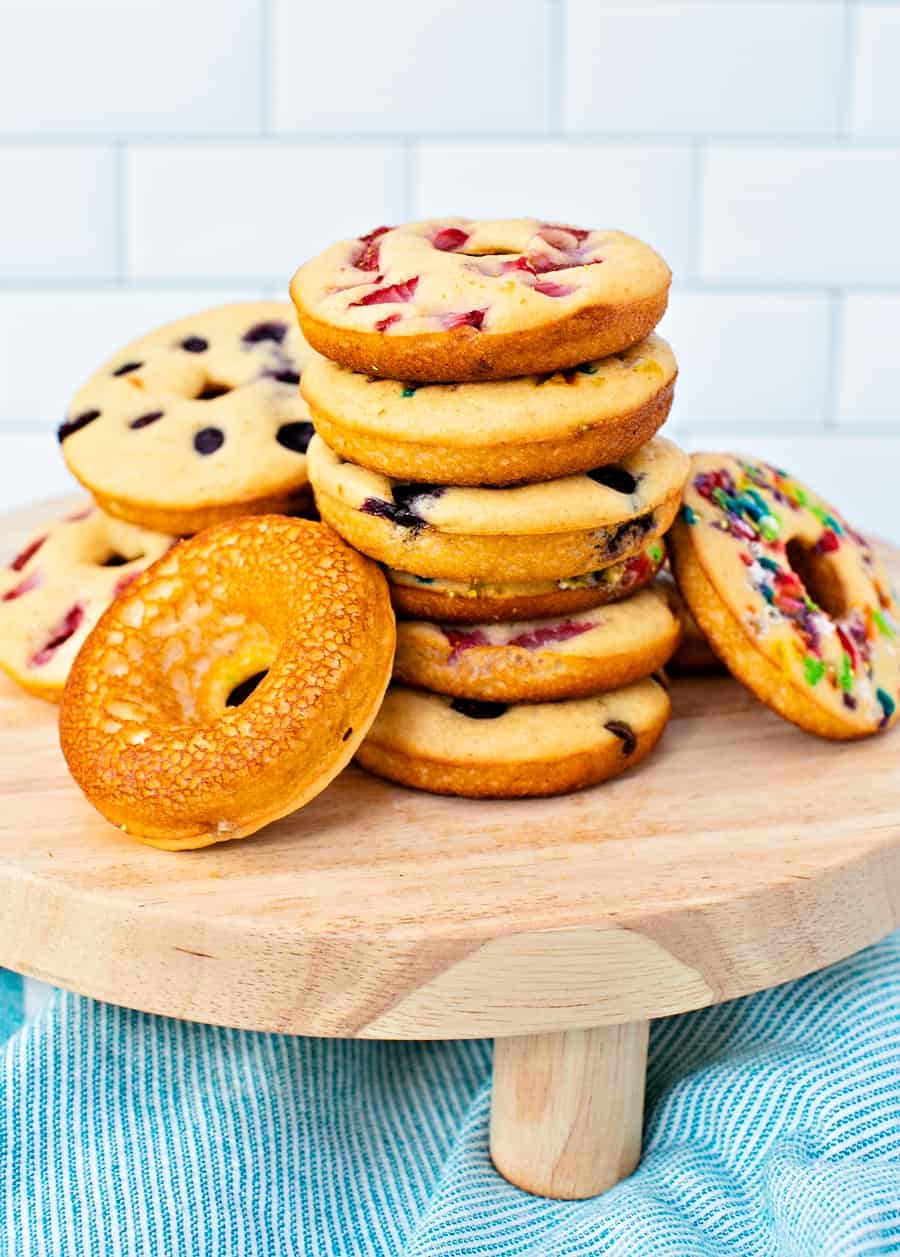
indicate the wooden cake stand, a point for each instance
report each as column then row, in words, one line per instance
column 742, row 854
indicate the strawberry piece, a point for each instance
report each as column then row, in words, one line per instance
column 472, row 318
column 544, row 636
column 367, row 258
column 67, row 627
column 579, row 234
column 463, row 639
column 31, row 581
column 448, row 239
column 519, row 264
column 29, row 552
column 404, row 291
column 383, row 324
column 555, row 290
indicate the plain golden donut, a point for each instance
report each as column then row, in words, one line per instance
column 230, row 683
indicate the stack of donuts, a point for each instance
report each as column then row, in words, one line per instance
column 486, row 405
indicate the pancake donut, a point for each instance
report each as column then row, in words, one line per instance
column 468, row 602
column 456, row 299
column 197, row 422
column 56, row 588
column 492, row 750
column 536, row 427
column 527, row 533
column 540, row 660
column 792, row 599
column 230, row 683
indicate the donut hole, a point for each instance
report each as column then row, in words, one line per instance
column 211, row 389
column 820, row 576
column 245, row 688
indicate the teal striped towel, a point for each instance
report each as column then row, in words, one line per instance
column 773, row 1128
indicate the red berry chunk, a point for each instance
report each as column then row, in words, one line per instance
column 124, row 581
column 404, row 291
column 367, row 259
column 67, row 627
column 551, row 232
column 449, row 238
column 545, row 636
column 383, row 324
column 520, row 264
column 463, row 639
column 471, row 318
column 31, row 581
column 30, row 550
column 555, row 290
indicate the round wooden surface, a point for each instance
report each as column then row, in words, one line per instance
column 743, row 853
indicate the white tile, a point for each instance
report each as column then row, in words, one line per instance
column 875, row 99
column 870, row 362
column 31, row 469
column 52, row 339
column 442, row 66
column 707, row 68
column 117, row 67
column 801, row 213
column 644, row 189
column 57, row 212
column 253, row 211
column 857, row 474
column 749, row 358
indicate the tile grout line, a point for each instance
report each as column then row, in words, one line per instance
column 557, row 38
column 266, row 83
column 695, row 209
column 120, row 174
column 846, row 81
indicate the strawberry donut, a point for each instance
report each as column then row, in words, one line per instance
column 457, row 299
column 536, row 427
column 229, row 683
column 537, row 660
column 791, row 598
column 199, row 421
column 55, row 590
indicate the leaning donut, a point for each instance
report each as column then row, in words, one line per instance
column 230, row 683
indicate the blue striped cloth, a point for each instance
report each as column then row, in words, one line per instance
column 773, row 1128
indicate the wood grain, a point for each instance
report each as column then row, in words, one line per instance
column 743, row 853
column 567, row 1109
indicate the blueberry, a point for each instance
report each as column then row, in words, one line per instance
column 210, row 390
column 195, row 344
column 479, row 711
column 402, row 510
column 625, row 734
column 629, row 533
column 614, row 478
column 295, row 436
column 286, row 376
column 265, row 331
column 127, row 367
column 208, row 440
column 66, row 428
column 144, row 421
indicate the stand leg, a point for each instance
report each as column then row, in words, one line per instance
column 567, row 1109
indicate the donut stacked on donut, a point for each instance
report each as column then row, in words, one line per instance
column 486, row 410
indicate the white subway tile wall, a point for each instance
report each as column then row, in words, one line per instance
column 196, row 153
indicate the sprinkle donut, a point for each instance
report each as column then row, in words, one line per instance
column 534, row 532
column 537, row 427
column 494, row 750
column 55, row 590
column 197, row 422
column 454, row 299
column 792, row 599
column 468, row 602
column 539, row 660
column 230, row 683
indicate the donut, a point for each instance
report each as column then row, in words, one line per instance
column 229, row 683
column 694, row 655
column 540, row 660
column 791, row 598
column 468, row 602
column 536, row 427
column 56, row 588
column 494, row 750
column 455, row 299
column 536, row 532
column 197, row 422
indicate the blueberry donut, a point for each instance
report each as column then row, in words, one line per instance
column 468, row 602
column 197, row 422
column 536, row 427
column 538, row 660
column 791, row 598
column 54, row 591
column 455, row 299
column 536, row 532
column 494, row 750
column 229, row 683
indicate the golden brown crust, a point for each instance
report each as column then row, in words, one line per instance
column 185, row 523
column 145, row 723
column 422, row 603
column 463, row 354
column 499, row 464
